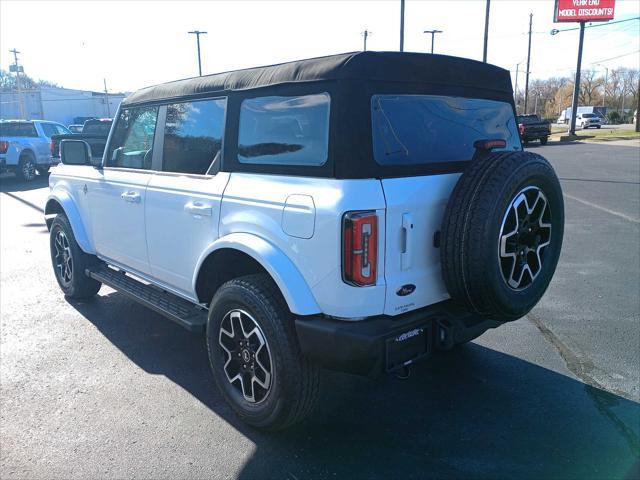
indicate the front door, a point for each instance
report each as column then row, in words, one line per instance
column 184, row 199
column 118, row 198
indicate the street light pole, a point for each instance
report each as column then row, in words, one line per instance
column 433, row 34
column 197, row 33
column 486, row 33
column 366, row 34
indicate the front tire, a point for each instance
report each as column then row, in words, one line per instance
column 70, row 262
column 255, row 356
column 544, row 140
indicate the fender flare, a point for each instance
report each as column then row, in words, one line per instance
column 288, row 278
column 70, row 209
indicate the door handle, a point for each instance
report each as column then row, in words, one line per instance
column 198, row 208
column 407, row 227
column 131, row 197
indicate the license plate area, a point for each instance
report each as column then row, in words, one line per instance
column 409, row 346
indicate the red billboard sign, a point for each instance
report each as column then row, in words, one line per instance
column 584, row 10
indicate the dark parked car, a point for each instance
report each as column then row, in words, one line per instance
column 532, row 127
column 94, row 132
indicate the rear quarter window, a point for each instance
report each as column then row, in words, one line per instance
column 423, row 129
column 279, row 130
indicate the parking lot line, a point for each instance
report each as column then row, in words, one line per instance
column 604, row 209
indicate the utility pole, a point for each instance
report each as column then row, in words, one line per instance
column 402, row 25
column 366, row 35
column 23, row 115
column 638, row 108
column 486, row 33
column 576, row 85
column 106, row 98
column 197, row 33
column 515, row 89
column 433, row 34
column 606, row 80
column 526, row 84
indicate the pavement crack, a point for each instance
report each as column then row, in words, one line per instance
column 602, row 397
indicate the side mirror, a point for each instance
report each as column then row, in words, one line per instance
column 75, row 152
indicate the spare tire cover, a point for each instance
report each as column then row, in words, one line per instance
column 502, row 234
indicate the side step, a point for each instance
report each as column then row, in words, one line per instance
column 183, row 312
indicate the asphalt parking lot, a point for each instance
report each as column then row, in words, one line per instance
column 108, row 389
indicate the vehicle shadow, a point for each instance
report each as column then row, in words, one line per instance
column 11, row 183
column 476, row 413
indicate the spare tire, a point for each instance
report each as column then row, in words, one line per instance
column 502, row 234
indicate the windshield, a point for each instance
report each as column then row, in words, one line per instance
column 97, row 128
column 18, row 129
column 420, row 129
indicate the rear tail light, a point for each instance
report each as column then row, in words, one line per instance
column 360, row 248
column 489, row 144
column 521, row 129
column 4, row 146
column 52, row 145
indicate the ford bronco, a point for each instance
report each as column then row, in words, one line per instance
column 352, row 212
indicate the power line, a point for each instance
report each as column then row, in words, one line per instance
column 614, row 58
column 556, row 31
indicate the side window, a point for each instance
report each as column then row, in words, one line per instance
column 193, row 136
column 62, row 130
column 132, row 141
column 284, row 130
column 49, row 129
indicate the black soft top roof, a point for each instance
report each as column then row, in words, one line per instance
column 388, row 67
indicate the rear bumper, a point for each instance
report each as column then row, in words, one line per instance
column 375, row 345
column 535, row 135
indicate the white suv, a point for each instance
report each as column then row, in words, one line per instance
column 352, row 212
column 588, row 120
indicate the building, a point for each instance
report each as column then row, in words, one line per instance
column 59, row 104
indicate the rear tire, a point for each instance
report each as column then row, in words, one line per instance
column 27, row 167
column 502, row 234
column 70, row 262
column 262, row 375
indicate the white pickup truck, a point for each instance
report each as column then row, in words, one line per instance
column 25, row 146
column 353, row 212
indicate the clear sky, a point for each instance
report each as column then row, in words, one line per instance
column 137, row 43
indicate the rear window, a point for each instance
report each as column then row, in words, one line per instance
column 588, row 115
column 284, row 130
column 18, row 129
column 529, row 119
column 423, row 129
column 97, row 128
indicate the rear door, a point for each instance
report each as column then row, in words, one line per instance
column 183, row 199
column 414, row 130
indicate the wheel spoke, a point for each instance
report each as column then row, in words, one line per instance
column 524, row 235
column 247, row 357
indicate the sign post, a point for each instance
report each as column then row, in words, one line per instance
column 581, row 11
column 576, row 84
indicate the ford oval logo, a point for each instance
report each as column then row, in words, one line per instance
column 406, row 290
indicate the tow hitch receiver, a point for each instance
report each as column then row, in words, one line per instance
column 408, row 347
